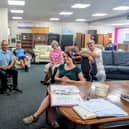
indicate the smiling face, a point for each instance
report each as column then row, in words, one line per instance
column 67, row 58
column 18, row 45
column 4, row 45
column 91, row 45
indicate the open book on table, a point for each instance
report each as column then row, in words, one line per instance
column 64, row 95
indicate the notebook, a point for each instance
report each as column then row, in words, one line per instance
column 62, row 95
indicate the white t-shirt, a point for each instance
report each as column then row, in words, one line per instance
column 98, row 59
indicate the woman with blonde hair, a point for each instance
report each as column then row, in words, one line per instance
column 55, row 57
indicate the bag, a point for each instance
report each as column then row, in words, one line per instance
column 88, row 70
column 48, row 75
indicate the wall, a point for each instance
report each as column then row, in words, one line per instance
column 3, row 24
column 55, row 27
column 59, row 27
column 101, row 29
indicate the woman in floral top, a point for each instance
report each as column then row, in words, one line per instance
column 55, row 59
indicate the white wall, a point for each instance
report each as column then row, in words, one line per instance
column 55, row 27
column 59, row 27
column 102, row 29
column 15, row 30
column 3, row 24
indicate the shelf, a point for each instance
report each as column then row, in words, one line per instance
column 26, row 40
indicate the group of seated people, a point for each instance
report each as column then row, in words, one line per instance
column 7, row 69
column 67, row 72
column 93, row 54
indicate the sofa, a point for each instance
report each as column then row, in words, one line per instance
column 42, row 53
column 116, row 64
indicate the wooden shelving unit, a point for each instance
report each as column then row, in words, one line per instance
column 26, row 40
column 41, row 39
column 100, row 39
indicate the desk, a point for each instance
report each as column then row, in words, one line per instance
column 116, row 88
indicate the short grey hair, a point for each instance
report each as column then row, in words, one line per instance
column 54, row 42
column 91, row 41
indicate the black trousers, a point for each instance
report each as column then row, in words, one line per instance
column 4, row 75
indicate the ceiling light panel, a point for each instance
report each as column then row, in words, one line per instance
column 14, row 2
column 66, row 13
column 121, row 8
column 17, row 11
column 80, row 20
column 54, row 19
column 99, row 14
column 80, row 5
column 119, row 24
column 17, row 18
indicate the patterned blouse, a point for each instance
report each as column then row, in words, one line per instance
column 56, row 56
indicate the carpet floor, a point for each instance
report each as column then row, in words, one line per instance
column 16, row 106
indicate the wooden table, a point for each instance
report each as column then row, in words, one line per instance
column 116, row 88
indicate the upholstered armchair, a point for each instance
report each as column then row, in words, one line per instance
column 42, row 53
column 18, row 65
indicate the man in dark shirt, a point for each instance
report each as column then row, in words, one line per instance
column 110, row 45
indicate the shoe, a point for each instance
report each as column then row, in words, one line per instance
column 1, row 92
column 45, row 83
column 42, row 81
column 29, row 119
column 26, row 69
column 18, row 90
column 55, row 125
column 7, row 93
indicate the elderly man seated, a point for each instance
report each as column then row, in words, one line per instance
column 6, row 68
column 19, row 53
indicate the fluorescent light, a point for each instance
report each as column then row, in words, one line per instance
column 99, row 14
column 66, row 13
column 17, row 11
column 121, row 8
column 80, row 5
column 119, row 24
column 80, row 20
column 14, row 2
column 18, row 18
column 54, row 19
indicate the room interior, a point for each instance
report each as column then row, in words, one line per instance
column 35, row 23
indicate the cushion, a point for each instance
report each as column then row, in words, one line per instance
column 110, row 68
column 121, row 58
column 123, row 69
column 107, row 57
column 36, row 50
column 44, row 56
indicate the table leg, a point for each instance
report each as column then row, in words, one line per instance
column 98, row 126
column 82, row 127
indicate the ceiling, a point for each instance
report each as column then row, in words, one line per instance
column 45, row 9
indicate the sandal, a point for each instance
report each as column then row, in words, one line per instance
column 55, row 125
column 29, row 119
